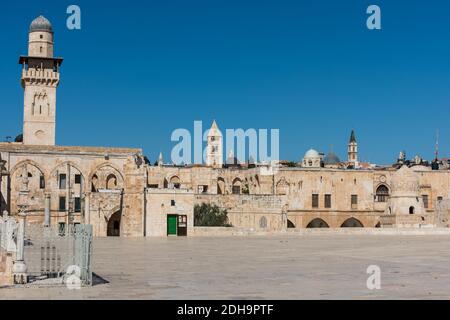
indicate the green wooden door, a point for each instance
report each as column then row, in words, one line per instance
column 171, row 225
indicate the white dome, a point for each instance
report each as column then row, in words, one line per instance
column 311, row 154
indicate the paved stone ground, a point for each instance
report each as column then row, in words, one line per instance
column 272, row 267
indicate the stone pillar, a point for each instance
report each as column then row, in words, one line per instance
column 87, row 209
column 47, row 217
column 20, row 268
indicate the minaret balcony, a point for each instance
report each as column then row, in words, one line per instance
column 43, row 76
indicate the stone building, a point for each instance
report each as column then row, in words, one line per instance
column 120, row 193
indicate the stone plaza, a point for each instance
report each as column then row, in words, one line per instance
column 316, row 266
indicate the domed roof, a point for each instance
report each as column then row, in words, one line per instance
column 405, row 181
column 311, row 153
column 331, row 158
column 41, row 24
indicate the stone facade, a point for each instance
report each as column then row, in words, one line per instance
column 116, row 191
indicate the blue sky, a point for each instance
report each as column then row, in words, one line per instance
column 138, row 70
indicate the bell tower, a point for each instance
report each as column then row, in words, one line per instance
column 353, row 150
column 214, row 147
column 40, row 78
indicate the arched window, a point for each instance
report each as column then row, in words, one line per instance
column 94, row 185
column 237, row 183
column 317, row 223
column 411, row 210
column 382, row 194
column 282, row 187
column 220, row 186
column 111, row 182
column 175, row 182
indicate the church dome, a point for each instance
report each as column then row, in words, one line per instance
column 41, row 24
column 405, row 182
column 331, row 158
column 311, row 154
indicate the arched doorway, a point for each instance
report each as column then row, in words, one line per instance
column 114, row 225
column 411, row 210
column 317, row 223
column 352, row 223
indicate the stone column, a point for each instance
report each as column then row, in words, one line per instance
column 87, row 209
column 47, row 217
column 20, row 268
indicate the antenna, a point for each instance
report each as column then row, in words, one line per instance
column 436, row 151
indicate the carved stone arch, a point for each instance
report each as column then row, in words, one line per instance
column 16, row 171
column 109, row 212
column 30, row 162
column 282, row 187
column 236, row 186
column 174, row 181
column 64, row 164
column 103, row 176
column 105, row 164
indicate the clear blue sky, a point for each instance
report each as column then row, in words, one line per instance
column 139, row 69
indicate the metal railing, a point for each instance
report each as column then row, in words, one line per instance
column 49, row 252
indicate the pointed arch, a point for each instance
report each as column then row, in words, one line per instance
column 352, row 223
column 70, row 163
column 106, row 164
column 317, row 223
column 221, row 186
column 237, row 186
column 282, row 187
column 30, row 162
column 382, row 193
column 175, row 182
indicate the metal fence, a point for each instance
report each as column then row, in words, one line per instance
column 50, row 251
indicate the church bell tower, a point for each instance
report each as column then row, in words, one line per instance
column 40, row 78
column 353, row 150
column 214, row 148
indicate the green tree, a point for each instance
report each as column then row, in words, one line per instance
column 208, row 215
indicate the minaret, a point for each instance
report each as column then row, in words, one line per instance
column 214, row 147
column 40, row 78
column 160, row 160
column 353, row 150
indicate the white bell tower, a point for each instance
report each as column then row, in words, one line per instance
column 214, row 147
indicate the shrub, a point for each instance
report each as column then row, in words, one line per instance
column 208, row 215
